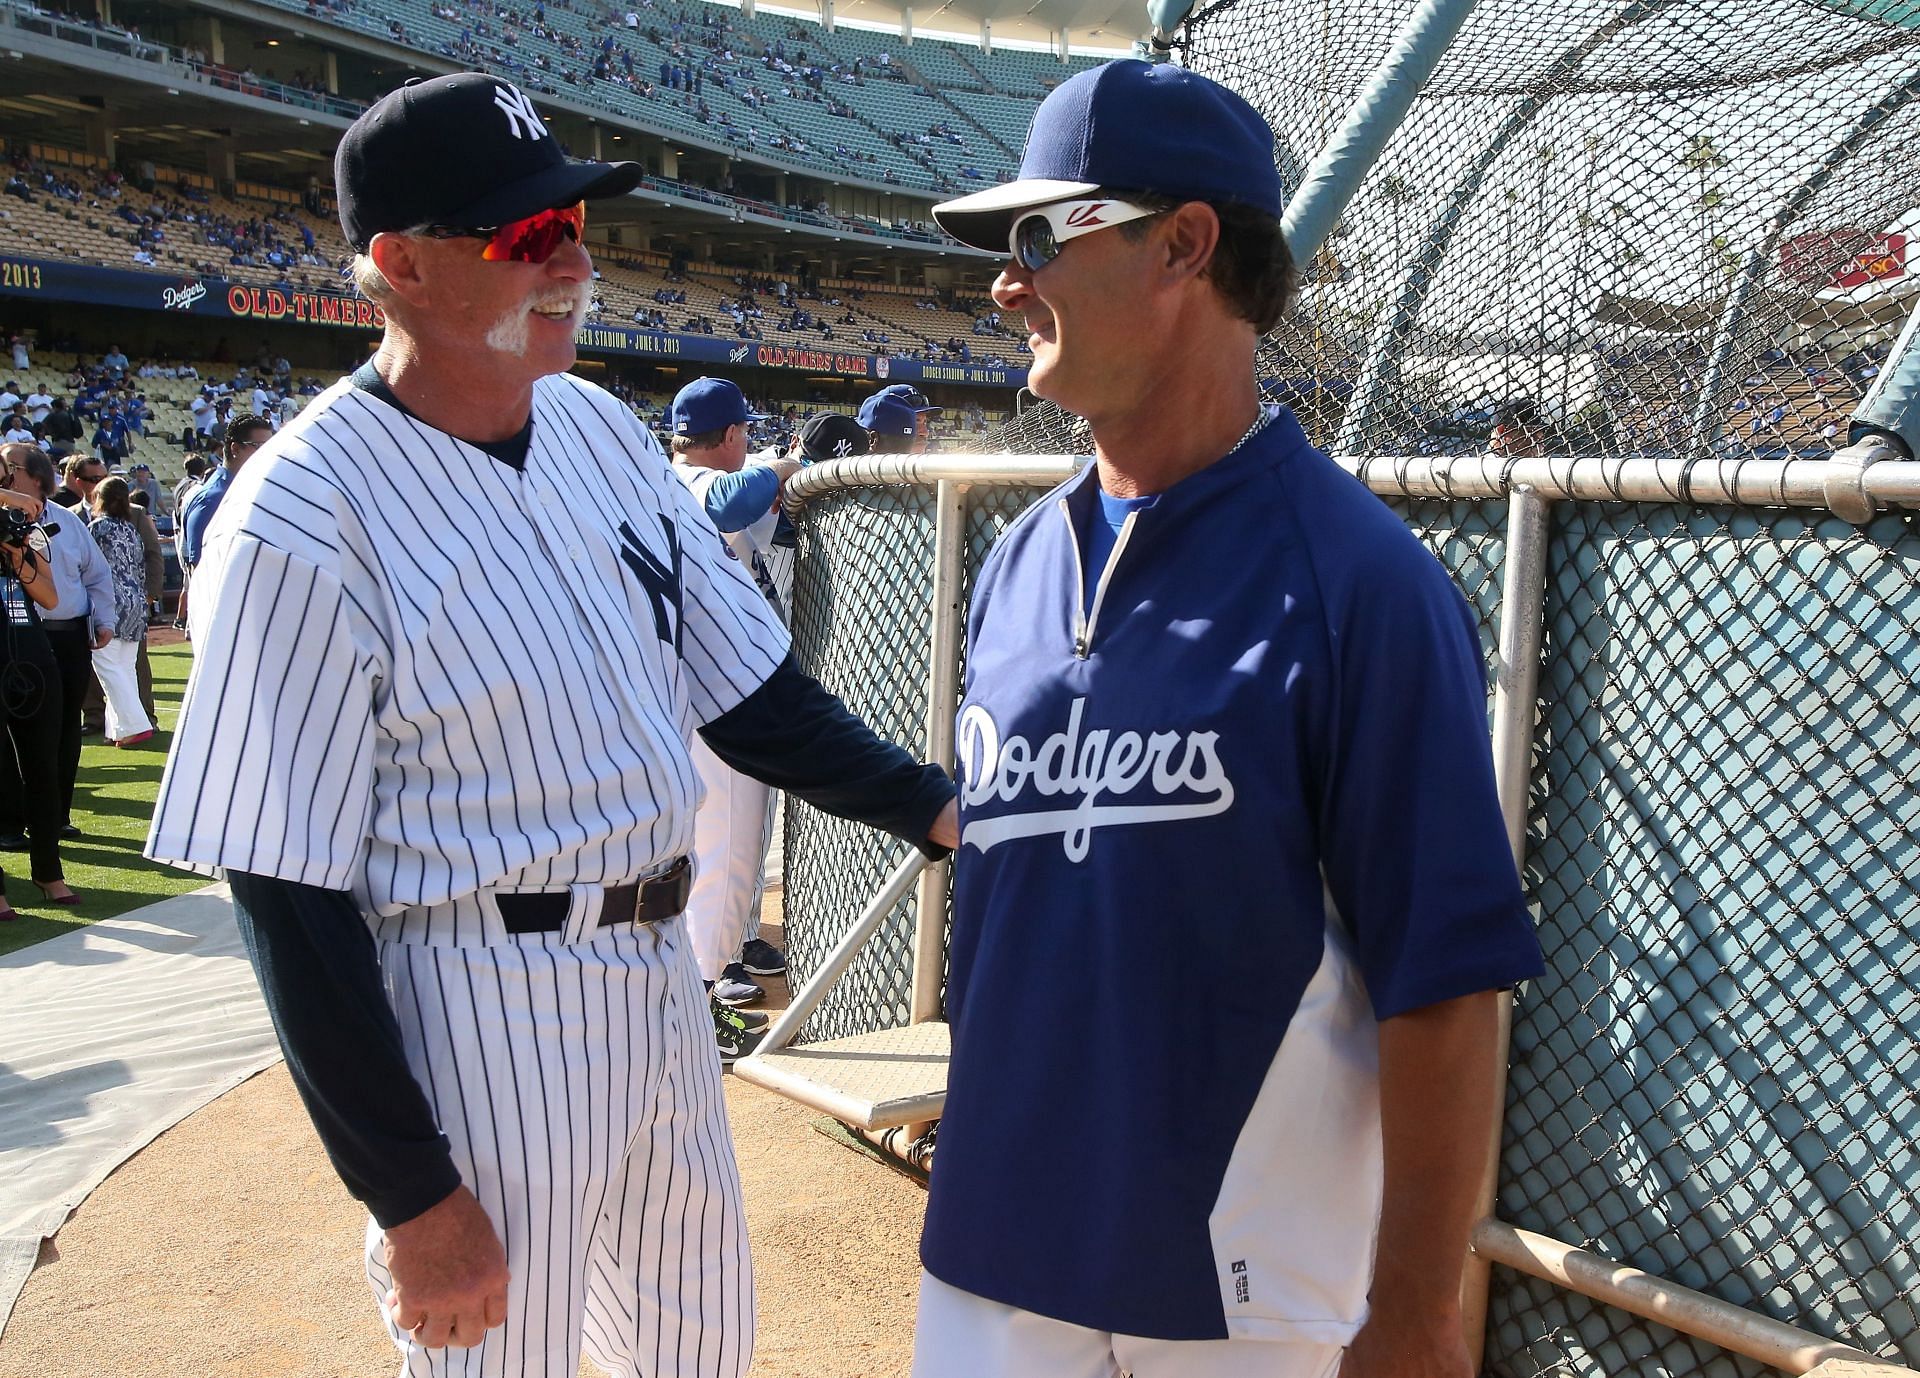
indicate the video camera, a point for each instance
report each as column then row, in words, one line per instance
column 20, row 533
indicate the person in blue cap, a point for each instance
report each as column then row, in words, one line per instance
column 1219, row 703
column 893, row 427
column 887, row 414
column 734, row 825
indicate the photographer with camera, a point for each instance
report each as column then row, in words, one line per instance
column 28, row 679
column 79, row 622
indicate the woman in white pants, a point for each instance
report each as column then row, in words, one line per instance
column 114, row 531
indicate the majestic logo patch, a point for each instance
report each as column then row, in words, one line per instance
column 519, row 111
column 660, row 578
column 1157, row 777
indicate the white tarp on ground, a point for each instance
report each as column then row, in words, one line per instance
column 109, row 1036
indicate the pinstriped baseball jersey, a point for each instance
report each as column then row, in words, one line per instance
column 419, row 672
column 751, row 544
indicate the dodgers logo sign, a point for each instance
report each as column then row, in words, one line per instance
column 1074, row 781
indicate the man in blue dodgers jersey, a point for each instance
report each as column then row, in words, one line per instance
column 437, row 732
column 1219, row 702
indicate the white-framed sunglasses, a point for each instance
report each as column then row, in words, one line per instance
column 1039, row 233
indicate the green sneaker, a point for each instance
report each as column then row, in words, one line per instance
column 735, row 1035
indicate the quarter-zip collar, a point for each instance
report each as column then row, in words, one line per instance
column 1280, row 437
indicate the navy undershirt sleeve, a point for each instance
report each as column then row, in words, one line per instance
column 736, row 501
column 321, row 979
column 794, row 735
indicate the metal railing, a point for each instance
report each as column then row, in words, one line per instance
column 1703, row 685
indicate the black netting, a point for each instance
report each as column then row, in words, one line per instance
column 862, row 593
column 1662, row 227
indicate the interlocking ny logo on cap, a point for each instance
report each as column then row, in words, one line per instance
column 519, row 110
column 1081, row 216
column 842, row 447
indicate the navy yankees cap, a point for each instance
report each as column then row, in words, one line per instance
column 830, row 435
column 1129, row 126
column 884, row 415
column 908, row 393
column 710, row 404
column 468, row 151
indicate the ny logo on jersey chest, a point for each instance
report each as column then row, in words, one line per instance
column 659, row 577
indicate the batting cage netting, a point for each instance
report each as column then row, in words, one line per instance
column 1668, row 242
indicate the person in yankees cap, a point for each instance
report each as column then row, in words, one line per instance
column 438, row 733
column 829, row 435
column 1218, row 701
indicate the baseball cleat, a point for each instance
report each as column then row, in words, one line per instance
column 762, row 958
column 735, row 987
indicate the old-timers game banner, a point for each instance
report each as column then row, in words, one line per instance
column 50, row 280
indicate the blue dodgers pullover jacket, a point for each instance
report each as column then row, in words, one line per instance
column 1258, row 752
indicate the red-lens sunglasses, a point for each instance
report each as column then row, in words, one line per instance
column 532, row 240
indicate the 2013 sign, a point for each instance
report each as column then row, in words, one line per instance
column 20, row 277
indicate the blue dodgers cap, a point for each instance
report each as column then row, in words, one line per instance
column 884, row 415
column 1129, row 125
column 710, row 404
column 909, row 394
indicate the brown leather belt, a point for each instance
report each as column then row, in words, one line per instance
column 648, row 901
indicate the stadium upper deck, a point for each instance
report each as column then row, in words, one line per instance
column 930, row 116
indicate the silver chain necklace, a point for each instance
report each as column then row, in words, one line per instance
column 1259, row 423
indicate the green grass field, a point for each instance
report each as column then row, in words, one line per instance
column 112, row 806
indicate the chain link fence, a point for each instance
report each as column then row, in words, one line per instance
column 863, row 580
column 1716, row 1080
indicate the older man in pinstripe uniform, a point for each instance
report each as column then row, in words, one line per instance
column 437, row 733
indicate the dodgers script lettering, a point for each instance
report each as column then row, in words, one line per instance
column 1183, row 775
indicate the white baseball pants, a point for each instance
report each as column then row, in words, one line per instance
column 579, row 1087
column 731, row 833
column 960, row 1335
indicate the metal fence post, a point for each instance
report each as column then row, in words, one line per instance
column 943, row 701
column 1516, row 692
